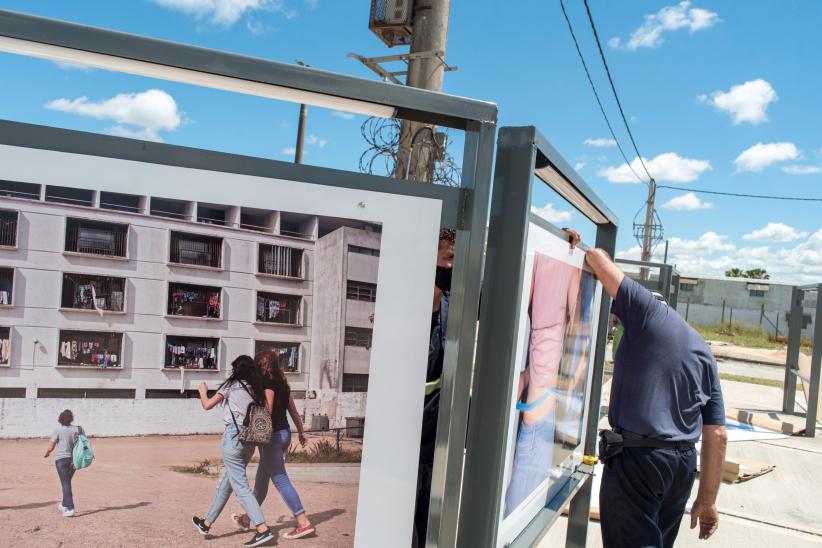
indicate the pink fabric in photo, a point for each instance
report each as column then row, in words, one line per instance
column 553, row 298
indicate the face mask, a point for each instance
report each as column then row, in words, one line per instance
column 443, row 279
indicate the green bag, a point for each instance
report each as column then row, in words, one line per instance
column 82, row 455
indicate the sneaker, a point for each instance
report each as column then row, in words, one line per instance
column 61, row 507
column 260, row 538
column 68, row 513
column 200, row 525
column 300, row 532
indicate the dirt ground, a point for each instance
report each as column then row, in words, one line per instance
column 131, row 497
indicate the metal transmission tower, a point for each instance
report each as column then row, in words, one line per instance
column 419, row 151
column 649, row 233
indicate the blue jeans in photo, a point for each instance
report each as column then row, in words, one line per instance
column 272, row 466
column 65, row 469
column 235, row 460
column 532, row 460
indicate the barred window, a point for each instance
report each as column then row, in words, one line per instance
column 361, row 291
column 358, row 336
column 278, row 260
column 288, row 354
column 197, row 301
column 192, row 352
column 88, row 292
column 96, row 237
column 197, row 250
column 355, row 382
column 90, row 349
column 8, row 228
column 278, row 308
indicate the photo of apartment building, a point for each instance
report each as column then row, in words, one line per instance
column 119, row 305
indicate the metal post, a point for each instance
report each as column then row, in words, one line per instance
column 762, row 315
column 794, row 341
column 665, row 259
column 339, row 452
column 580, row 509
column 647, row 240
column 731, row 319
column 298, row 149
column 493, row 377
column 721, row 321
column 687, row 309
column 458, row 363
column 816, row 367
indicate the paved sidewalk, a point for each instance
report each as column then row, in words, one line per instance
column 131, row 497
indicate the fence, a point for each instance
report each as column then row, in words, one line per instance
column 773, row 322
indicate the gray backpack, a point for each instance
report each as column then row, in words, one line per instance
column 257, row 426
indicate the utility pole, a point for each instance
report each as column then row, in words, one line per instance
column 430, row 34
column 298, row 149
column 647, row 240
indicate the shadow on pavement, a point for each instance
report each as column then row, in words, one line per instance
column 284, row 523
column 110, row 508
column 29, row 506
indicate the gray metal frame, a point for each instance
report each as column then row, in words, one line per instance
column 522, row 153
column 666, row 285
column 465, row 208
column 792, row 362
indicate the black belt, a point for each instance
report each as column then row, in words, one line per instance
column 612, row 443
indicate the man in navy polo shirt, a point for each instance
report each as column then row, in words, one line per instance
column 665, row 393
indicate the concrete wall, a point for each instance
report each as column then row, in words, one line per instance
column 704, row 304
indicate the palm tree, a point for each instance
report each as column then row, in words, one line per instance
column 757, row 274
column 734, row 273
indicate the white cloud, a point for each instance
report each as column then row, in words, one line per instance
column 579, row 165
column 600, row 142
column 713, row 255
column 802, row 170
column 289, row 151
column 257, row 28
column 687, row 202
column 226, row 12
column 668, row 19
column 342, row 114
column 761, row 155
column 746, row 102
column 668, row 166
column 775, row 232
column 312, row 4
column 73, row 66
column 151, row 111
column 552, row 214
column 313, row 140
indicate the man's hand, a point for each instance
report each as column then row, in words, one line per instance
column 707, row 516
column 573, row 237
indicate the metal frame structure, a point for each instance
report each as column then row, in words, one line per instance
column 522, row 154
column 792, row 371
column 464, row 208
column 668, row 282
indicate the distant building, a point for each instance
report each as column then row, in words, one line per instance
column 119, row 305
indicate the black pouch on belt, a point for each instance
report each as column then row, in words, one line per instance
column 610, row 445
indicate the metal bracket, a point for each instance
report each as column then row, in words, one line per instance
column 374, row 63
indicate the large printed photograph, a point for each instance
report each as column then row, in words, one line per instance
column 159, row 320
column 555, row 353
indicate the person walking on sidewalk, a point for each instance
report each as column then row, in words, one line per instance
column 62, row 444
column 242, row 388
column 272, row 456
column 665, row 393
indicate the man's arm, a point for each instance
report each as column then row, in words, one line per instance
column 605, row 270
column 714, row 442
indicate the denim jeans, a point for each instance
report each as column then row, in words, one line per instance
column 65, row 469
column 532, row 460
column 272, row 466
column 643, row 496
column 235, row 459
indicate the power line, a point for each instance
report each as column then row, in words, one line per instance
column 613, row 88
column 738, row 195
column 594, row 89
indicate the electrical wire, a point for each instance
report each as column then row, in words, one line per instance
column 739, row 195
column 613, row 88
column 594, row 89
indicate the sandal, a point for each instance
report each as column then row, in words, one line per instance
column 300, row 532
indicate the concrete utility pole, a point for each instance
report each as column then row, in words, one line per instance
column 648, row 236
column 430, row 34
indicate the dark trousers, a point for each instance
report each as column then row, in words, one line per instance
column 643, row 495
column 65, row 469
column 421, row 511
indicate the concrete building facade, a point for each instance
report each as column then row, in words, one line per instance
column 757, row 302
column 117, row 306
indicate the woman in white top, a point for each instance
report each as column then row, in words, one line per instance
column 243, row 387
column 62, row 444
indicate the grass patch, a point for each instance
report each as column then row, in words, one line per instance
column 322, row 451
column 201, row 468
column 740, row 334
column 751, row 380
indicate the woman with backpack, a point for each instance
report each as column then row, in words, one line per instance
column 62, row 444
column 272, row 456
column 239, row 393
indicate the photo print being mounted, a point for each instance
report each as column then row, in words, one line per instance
column 554, row 356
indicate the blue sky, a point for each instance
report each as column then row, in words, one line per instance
column 720, row 96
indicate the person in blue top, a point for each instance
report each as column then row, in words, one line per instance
column 665, row 395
